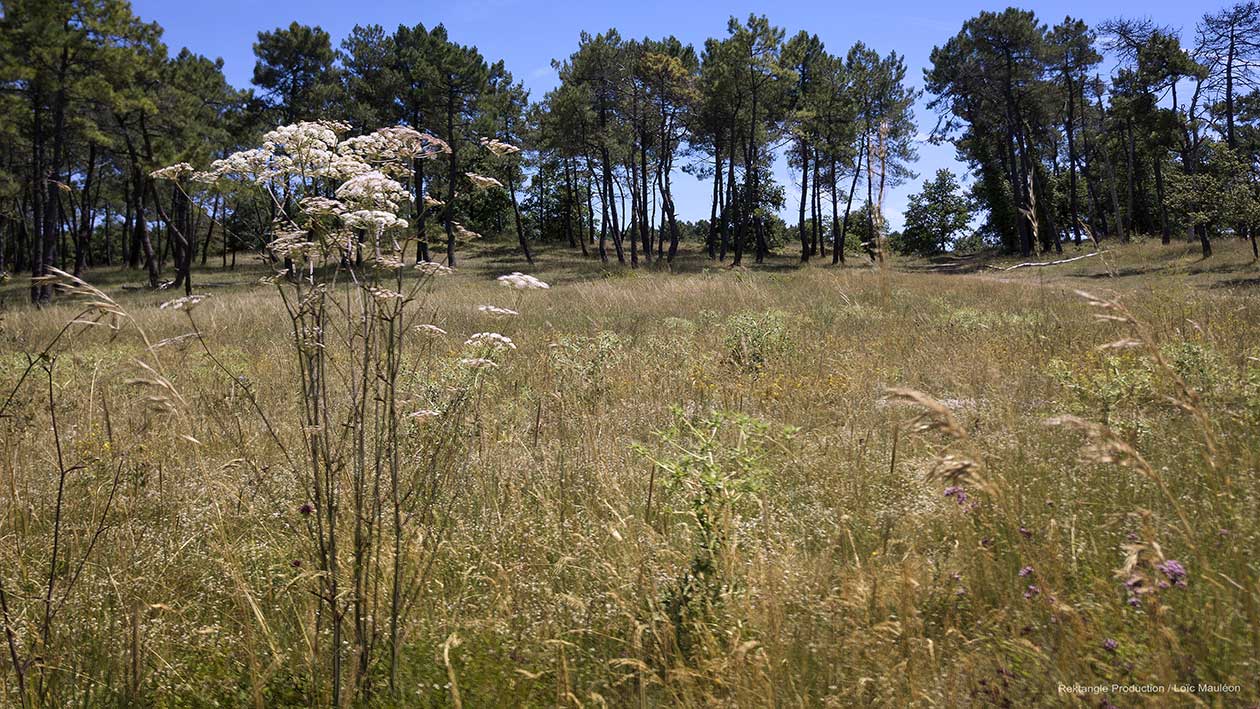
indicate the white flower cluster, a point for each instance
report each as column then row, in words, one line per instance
column 306, row 135
column 292, row 244
column 430, row 329
column 372, row 190
column 490, row 340
column 462, row 233
column 383, row 295
column 496, row 310
column 253, row 165
column 433, row 268
column 297, row 160
column 498, row 147
column 188, row 302
column 373, row 221
column 321, row 206
column 522, row 281
column 175, row 172
column 478, row 363
column 394, row 148
column 482, row 182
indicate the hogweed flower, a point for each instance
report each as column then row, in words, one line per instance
column 478, row 363
column 492, row 340
column 429, row 329
column 424, row 414
column 498, row 147
column 185, row 303
column 463, row 233
column 175, row 172
column 496, row 310
column 321, row 205
column 386, row 262
column 482, row 182
column 383, row 295
column 522, row 281
column 373, row 191
column 433, row 268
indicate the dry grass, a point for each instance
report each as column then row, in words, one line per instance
column 614, row 543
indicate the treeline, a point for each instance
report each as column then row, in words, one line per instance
column 1169, row 144
column 93, row 102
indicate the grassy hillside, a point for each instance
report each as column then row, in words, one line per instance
column 940, row 485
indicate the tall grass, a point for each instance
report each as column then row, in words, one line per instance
column 819, row 488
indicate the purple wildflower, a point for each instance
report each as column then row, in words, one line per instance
column 1175, row 572
column 1026, row 571
column 956, row 492
column 1135, row 601
column 1110, row 645
column 1026, row 532
column 297, row 563
column 1033, row 590
column 306, row 508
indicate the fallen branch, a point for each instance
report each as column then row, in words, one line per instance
column 1035, row 264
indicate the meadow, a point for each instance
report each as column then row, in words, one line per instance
column 934, row 484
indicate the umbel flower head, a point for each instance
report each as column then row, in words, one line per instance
column 462, row 233
column 496, row 310
column 491, row 340
column 185, row 303
column 498, row 147
column 433, row 268
column 478, row 363
column 430, row 329
column 372, row 190
column 482, row 182
column 522, row 281
column 178, row 171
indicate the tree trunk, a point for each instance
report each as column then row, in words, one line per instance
column 800, row 218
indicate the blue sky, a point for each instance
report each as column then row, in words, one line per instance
column 528, row 34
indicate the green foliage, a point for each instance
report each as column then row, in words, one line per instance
column 1220, row 194
column 1114, row 389
column 755, row 338
column 935, row 216
column 714, row 465
column 586, row 361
